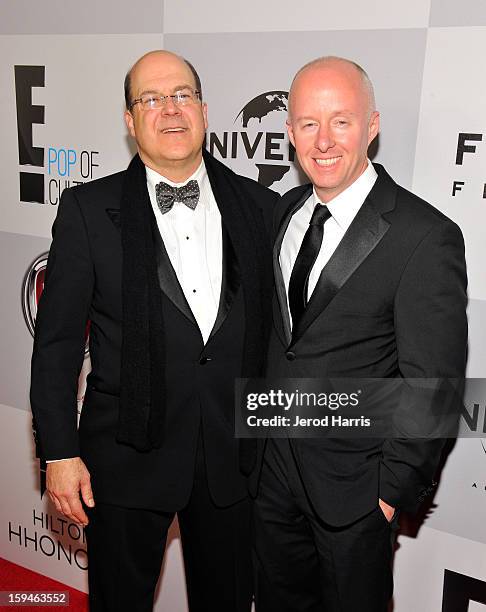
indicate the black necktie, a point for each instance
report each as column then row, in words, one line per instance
column 166, row 195
column 309, row 249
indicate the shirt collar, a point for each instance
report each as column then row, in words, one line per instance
column 345, row 206
column 153, row 178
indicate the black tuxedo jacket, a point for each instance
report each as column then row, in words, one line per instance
column 389, row 303
column 83, row 282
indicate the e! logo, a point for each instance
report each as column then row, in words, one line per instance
column 31, row 183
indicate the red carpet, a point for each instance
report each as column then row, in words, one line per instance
column 16, row 578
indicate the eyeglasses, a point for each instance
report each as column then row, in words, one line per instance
column 180, row 98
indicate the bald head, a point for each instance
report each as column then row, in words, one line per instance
column 156, row 57
column 338, row 65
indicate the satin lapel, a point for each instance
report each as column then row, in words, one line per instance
column 238, row 254
column 167, row 277
column 282, row 322
column 229, row 283
column 364, row 233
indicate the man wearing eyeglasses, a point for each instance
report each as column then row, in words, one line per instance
column 168, row 261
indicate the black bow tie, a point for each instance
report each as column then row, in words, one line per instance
column 167, row 195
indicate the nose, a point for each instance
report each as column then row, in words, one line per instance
column 170, row 107
column 324, row 138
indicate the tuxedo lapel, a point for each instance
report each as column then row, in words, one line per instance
column 364, row 233
column 362, row 236
column 170, row 285
column 168, row 280
column 240, row 256
column 284, row 329
column 229, row 283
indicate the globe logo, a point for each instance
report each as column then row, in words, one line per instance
column 258, row 146
column 262, row 105
column 269, row 108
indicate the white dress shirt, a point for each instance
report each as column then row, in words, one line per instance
column 193, row 241
column 343, row 209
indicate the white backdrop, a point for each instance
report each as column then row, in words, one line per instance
column 425, row 58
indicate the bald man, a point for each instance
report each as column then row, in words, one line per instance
column 170, row 263
column 370, row 282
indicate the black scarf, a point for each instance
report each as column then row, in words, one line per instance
column 142, row 392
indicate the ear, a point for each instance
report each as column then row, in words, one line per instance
column 373, row 126
column 129, row 122
column 205, row 114
column 290, row 131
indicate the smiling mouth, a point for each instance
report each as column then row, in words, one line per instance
column 330, row 161
column 173, row 130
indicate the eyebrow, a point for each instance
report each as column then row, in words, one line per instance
column 345, row 112
column 336, row 114
column 185, row 86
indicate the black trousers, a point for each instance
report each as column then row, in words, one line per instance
column 126, row 549
column 305, row 565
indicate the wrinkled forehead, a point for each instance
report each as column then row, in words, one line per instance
column 160, row 71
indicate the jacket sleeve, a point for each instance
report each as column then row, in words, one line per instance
column 60, row 333
column 431, row 336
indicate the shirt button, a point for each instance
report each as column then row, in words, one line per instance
column 291, row 356
column 204, row 360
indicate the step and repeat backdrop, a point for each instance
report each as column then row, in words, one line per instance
column 61, row 99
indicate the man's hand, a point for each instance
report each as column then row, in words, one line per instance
column 65, row 479
column 387, row 510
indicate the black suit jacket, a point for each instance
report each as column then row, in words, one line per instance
column 83, row 282
column 389, row 303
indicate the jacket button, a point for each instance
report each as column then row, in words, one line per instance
column 290, row 355
column 204, row 360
